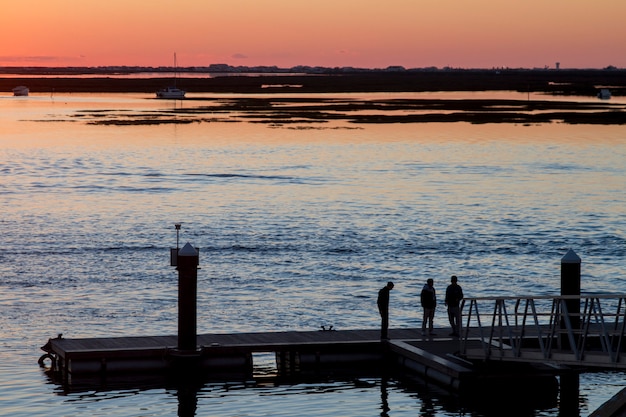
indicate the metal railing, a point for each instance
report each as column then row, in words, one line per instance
column 586, row 330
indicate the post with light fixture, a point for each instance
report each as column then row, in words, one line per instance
column 186, row 261
column 187, row 266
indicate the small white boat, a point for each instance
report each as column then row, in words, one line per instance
column 171, row 92
column 21, row 90
column 604, row 94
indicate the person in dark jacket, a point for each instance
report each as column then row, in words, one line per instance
column 428, row 299
column 383, row 309
column 454, row 295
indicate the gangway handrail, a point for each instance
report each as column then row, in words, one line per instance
column 548, row 328
column 549, row 297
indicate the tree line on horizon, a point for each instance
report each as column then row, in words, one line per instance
column 299, row 69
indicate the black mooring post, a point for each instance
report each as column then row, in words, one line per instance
column 570, row 285
column 187, row 265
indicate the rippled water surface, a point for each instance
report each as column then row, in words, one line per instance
column 298, row 226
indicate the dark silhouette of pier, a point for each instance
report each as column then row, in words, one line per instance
column 513, row 342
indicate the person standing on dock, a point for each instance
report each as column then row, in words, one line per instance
column 383, row 309
column 454, row 295
column 428, row 300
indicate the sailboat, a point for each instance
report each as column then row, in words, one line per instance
column 172, row 91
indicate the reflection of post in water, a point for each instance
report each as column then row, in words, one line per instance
column 426, row 409
column 568, row 402
column 384, row 395
column 187, row 400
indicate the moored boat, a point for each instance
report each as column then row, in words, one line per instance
column 171, row 92
column 21, row 90
column 604, row 94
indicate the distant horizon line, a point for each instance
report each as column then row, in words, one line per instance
column 223, row 68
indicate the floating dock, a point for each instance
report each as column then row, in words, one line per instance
column 528, row 342
column 231, row 356
column 298, row 354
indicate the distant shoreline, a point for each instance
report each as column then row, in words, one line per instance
column 558, row 82
column 270, row 111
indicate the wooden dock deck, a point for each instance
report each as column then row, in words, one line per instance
column 296, row 351
column 255, row 342
column 297, row 354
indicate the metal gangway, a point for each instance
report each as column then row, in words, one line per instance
column 585, row 330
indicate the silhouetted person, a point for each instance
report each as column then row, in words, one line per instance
column 428, row 299
column 383, row 309
column 454, row 295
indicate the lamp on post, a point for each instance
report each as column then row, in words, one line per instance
column 174, row 251
column 177, row 226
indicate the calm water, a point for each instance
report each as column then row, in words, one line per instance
column 298, row 227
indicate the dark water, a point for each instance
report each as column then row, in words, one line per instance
column 297, row 228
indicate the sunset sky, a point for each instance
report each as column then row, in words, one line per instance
column 330, row 33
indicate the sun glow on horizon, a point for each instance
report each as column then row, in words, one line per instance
column 364, row 33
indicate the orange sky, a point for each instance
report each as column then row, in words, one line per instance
column 359, row 33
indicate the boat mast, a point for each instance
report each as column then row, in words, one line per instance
column 175, row 70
